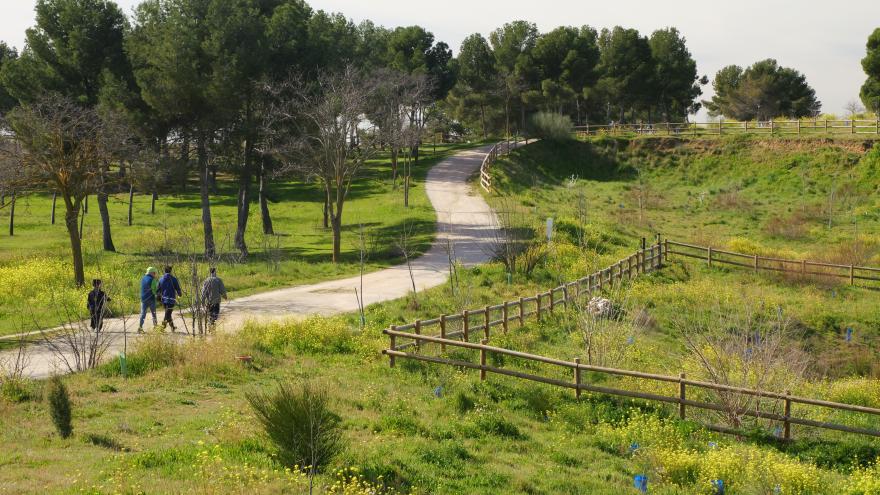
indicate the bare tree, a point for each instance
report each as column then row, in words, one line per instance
column 514, row 241
column 853, row 108
column 608, row 331
column 319, row 142
column 745, row 347
column 65, row 147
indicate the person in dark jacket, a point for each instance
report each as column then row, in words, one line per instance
column 148, row 297
column 97, row 304
column 212, row 291
column 168, row 292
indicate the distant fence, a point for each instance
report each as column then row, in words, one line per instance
column 647, row 259
column 852, row 273
column 500, row 149
column 785, row 127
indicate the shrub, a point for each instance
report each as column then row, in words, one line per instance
column 551, row 126
column 298, row 420
column 864, row 481
column 16, row 390
column 463, row 403
column 857, row 391
column 59, row 407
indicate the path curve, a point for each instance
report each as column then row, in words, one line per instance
column 464, row 220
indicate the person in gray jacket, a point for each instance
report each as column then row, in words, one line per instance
column 212, row 291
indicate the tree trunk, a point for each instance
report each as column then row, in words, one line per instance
column 70, row 218
column 206, row 200
column 264, row 203
column 337, row 236
column 394, row 156
column 326, row 212
column 483, row 119
column 184, row 161
column 153, row 199
column 54, row 202
column 130, row 203
column 244, row 199
column 82, row 221
column 105, row 222
column 12, row 215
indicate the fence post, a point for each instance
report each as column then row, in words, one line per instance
column 465, row 317
column 418, row 331
column 565, row 296
column 643, row 268
column 709, row 249
column 803, row 267
column 826, row 125
column 852, row 125
column 483, row 360
column 393, row 345
column 756, row 263
column 442, row 332
column 771, row 127
column 504, row 317
column 577, row 377
column 666, row 249
column 538, row 311
column 681, row 396
column 522, row 311
column 487, row 320
column 552, row 303
column 852, row 275
column 786, row 433
column 659, row 258
column 799, row 127
column 577, row 291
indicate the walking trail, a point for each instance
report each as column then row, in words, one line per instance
column 464, row 221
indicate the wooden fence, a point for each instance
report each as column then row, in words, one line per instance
column 500, row 149
column 713, row 256
column 481, row 321
column 681, row 398
column 796, row 127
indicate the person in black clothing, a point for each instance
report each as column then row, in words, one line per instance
column 97, row 304
column 168, row 292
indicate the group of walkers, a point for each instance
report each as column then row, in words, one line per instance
column 166, row 290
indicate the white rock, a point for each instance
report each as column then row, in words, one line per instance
column 600, row 307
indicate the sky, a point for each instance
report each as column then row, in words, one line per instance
column 824, row 40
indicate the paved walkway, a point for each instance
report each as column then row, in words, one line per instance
column 464, row 220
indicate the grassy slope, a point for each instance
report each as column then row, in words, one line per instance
column 744, row 184
column 35, row 269
column 502, row 436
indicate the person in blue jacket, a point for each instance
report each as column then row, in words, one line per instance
column 169, row 291
column 148, row 297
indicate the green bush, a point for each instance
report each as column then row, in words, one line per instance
column 298, row 420
column 59, row 407
column 16, row 390
column 551, row 126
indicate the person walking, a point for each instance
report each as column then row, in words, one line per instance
column 97, row 304
column 169, row 291
column 148, row 297
column 212, row 290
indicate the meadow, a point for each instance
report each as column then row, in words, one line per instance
column 35, row 273
column 180, row 420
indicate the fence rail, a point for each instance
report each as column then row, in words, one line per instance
column 500, row 149
column 481, row 321
column 577, row 383
column 757, row 263
column 797, row 127
column 473, row 321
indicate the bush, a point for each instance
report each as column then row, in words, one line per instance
column 59, row 407
column 551, row 126
column 298, row 420
column 16, row 390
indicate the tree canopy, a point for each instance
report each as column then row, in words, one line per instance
column 762, row 91
column 871, row 63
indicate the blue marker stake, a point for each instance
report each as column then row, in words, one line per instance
column 777, row 432
column 718, row 485
column 713, row 445
column 630, row 340
column 849, row 334
column 633, row 447
column 438, row 392
column 640, row 481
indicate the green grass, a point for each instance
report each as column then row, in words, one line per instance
column 183, row 424
column 35, row 267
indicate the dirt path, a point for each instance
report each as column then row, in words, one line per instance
column 463, row 218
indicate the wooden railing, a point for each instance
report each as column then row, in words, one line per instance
column 713, row 256
column 721, row 127
column 577, row 383
column 500, row 149
column 482, row 320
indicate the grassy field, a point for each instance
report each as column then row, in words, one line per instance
column 181, row 423
column 35, row 273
